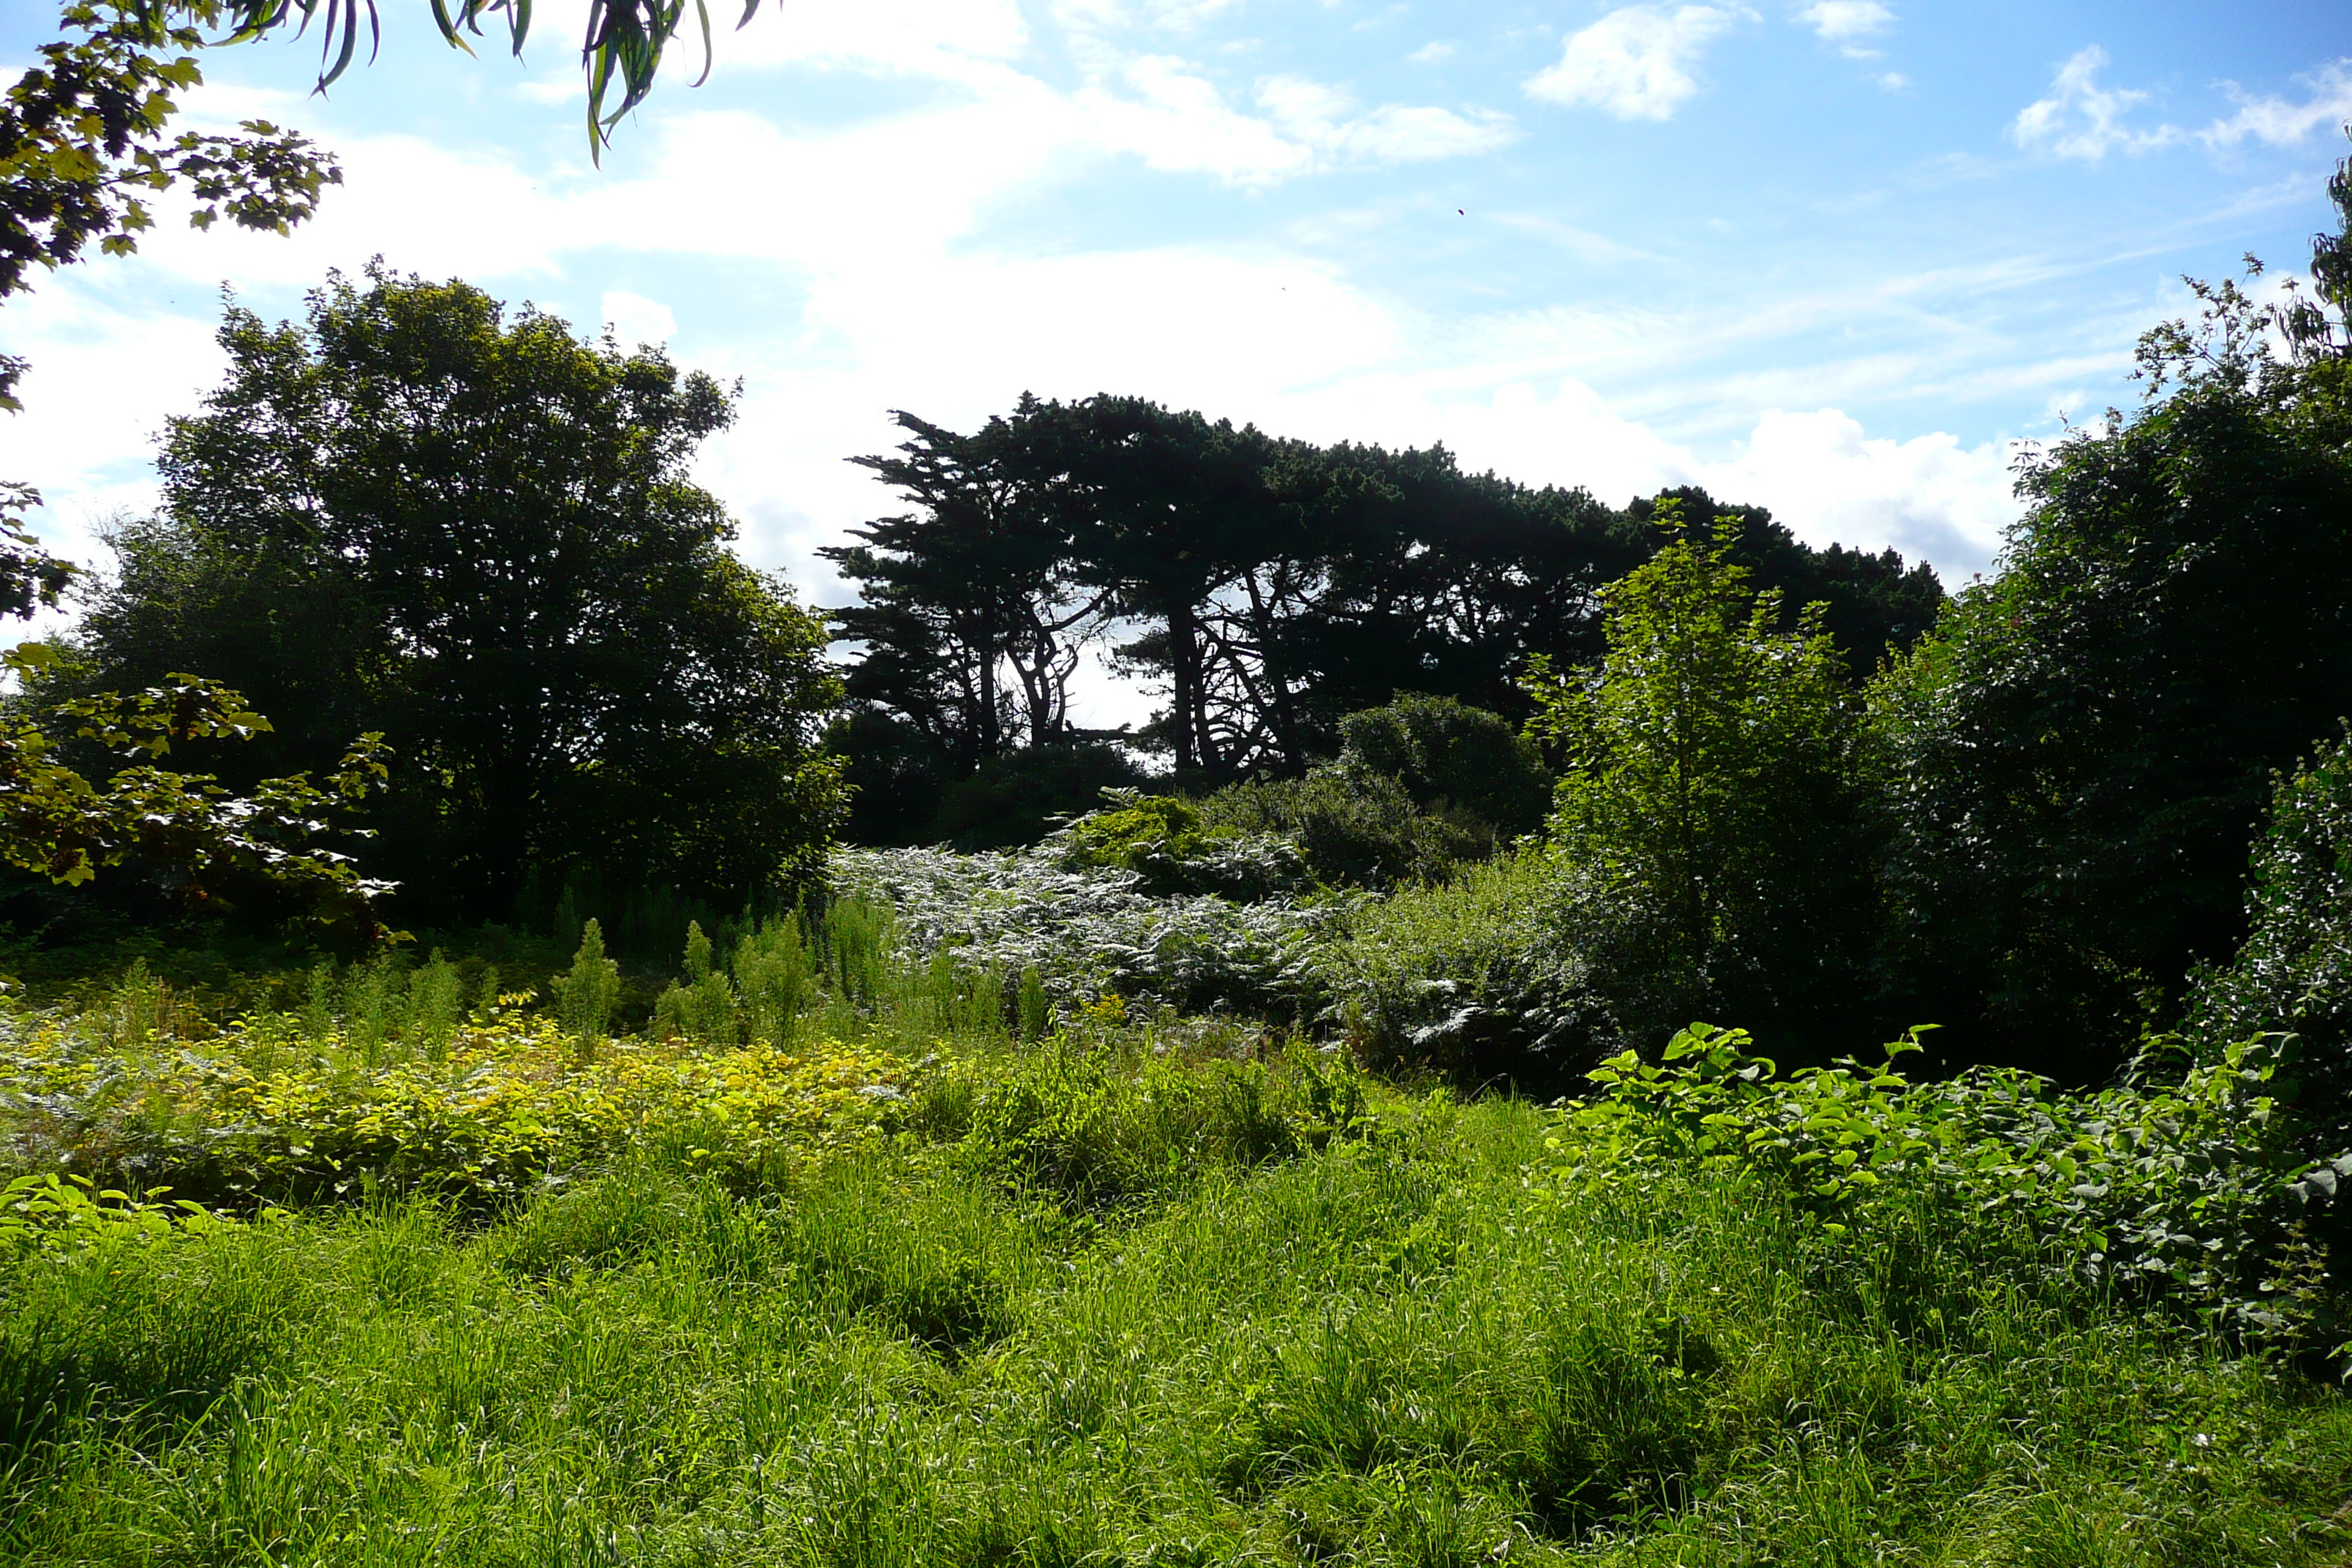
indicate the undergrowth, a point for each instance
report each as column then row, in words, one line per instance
column 860, row 1256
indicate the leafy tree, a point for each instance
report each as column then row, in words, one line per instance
column 55, row 822
column 1705, row 813
column 1166, row 509
column 973, row 586
column 1269, row 587
column 2077, row 759
column 1875, row 605
column 29, row 575
column 414, row 513
column 86, row 144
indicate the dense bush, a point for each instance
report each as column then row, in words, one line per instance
column 1706, row 819
column 268, row 1111
column 1170, row 844
column 1448, row 754
column 2074, row 764
column 2294, row 971
column 2194, row 1195
column 1352, row 829
column 416, row 513
column 1471, row 978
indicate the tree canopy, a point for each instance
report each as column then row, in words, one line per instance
column 416, row 513
column 1705, row 810
column 1266, row 587
column 2075, row 761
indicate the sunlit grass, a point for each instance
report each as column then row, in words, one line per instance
column 1378, row 1344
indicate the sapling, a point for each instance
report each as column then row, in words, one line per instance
column 587, row 992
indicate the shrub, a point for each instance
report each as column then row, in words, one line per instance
column 1446, row 754
column 1175, row 848
column 1470, row 978
column 1708, row 810
column 2191, row 1194
column 1088, row 933
column 2294, row 970
column 2081, row 752
column 1013, row 800
column 588, row 992
column 1359, row 829
column 260, row 1112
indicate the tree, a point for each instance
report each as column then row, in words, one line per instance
column 1876, row 606
column 85, row 138
column 2294, row 970
column 1165, row 512
column 474, row 533
column 973, row 587
column 55, row 822
column 86, row 144
column 29, row 575
column 2077, row 760
column 1705, row 815
column 1450, row 755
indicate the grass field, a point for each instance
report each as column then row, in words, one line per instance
column 1101, row 1302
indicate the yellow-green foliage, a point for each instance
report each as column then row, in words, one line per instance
column 1140, row 827
column 262, row 1112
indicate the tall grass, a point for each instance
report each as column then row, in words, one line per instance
column 1380, row 1348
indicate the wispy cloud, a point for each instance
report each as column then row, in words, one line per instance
column 1326, row 118
column 2280, row 122
column 1846, row 25
column 1634, row 63
column 1437, row 51
column 2080, row 118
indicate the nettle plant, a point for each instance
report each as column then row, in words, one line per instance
column 2189, row 1192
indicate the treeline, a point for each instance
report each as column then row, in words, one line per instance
column 1798, row 790
column 1266, row 587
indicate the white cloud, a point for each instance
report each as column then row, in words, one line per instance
column 2080, row 118
column 1845, row 24
column 1633, row 63
column 2280, row 123
column 1180, row 122
column 1325, row 118
column 1437, row 51
column 1928, row 497
column 637, row 319
column 1894, row 81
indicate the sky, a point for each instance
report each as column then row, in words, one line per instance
column 1843, row 259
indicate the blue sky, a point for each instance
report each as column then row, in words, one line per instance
column 1837, row 256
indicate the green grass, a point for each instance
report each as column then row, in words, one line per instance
column 1097, row 1310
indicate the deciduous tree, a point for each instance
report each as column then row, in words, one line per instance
column 416, row 513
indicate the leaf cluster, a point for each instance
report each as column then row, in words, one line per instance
column 2191, row 1192
column 57, row 822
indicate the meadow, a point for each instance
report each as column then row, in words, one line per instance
column 929, row 1267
